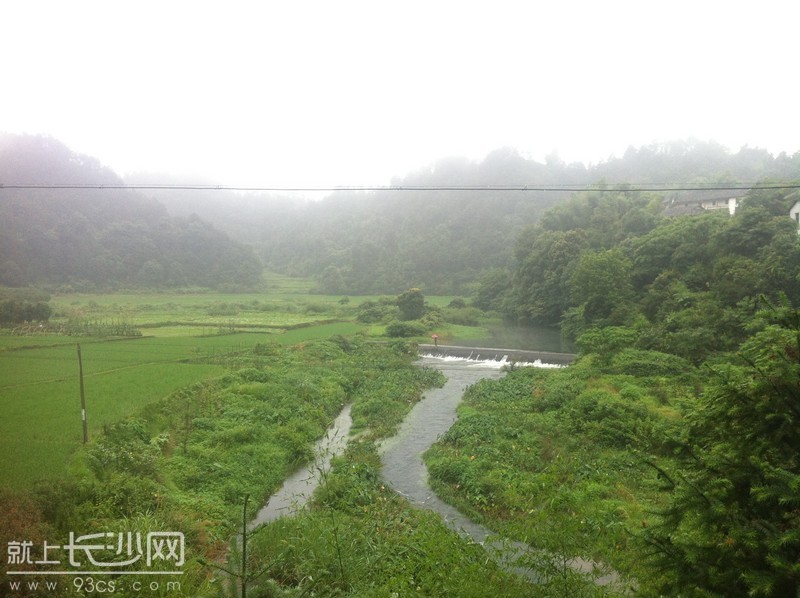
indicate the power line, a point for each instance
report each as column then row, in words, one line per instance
column 521, row 187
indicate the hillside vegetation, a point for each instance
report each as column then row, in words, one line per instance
column 667, row 453
column 99, row 239
column 350, row 242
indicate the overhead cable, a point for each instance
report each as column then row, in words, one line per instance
column 602, row 188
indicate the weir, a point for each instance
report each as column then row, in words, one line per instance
column 504, row 355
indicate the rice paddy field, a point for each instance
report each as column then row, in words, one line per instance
column 181, row 339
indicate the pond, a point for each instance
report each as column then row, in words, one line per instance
column 529, row 338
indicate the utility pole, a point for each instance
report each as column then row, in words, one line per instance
column 83, row 397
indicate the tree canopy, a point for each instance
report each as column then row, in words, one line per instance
column 733, row 524
column 102, row 238
column 446, row 241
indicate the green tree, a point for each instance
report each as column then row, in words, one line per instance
column 606, row 341
column 494, row 285
column 601, row 285
column 411, row 304
column 541, row 283
column 733, row 525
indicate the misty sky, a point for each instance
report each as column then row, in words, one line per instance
column 355, row 93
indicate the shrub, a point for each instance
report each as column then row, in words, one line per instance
column 556, row 390
column 124, row 447
column 465, row 316
column 457, row 303
column 404, row 329
column 637, row 362
column 370, row 312
column 606, row 418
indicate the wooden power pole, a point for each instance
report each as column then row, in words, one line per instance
column 83, row 397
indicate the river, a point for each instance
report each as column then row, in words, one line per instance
column 297, row 489
column 527, row 338
column 402, row 465
column 401, row 455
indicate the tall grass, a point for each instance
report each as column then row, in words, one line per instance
column 39, row 388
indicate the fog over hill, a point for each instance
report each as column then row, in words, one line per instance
column 441, row 240
column 94, row 239
column 350, row 241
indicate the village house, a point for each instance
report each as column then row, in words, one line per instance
column 698, row 202
column 794, row 213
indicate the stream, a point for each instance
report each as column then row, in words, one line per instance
column 406, row 473
column 402, row 465
column 298, row 487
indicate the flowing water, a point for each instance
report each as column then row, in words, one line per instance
column 298, row 488
column 404, row 470
column 402, row 465
column 401, row 455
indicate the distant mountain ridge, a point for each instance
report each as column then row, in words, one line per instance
column 358, row 242
column 350, row 242
column 102, row 238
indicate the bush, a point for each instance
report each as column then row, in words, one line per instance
column 124, row 447
column 17, row 312
column 606, row 418
column 371, row 312
column 465, row 316
column 555, row 391
column 404, row 329
column 457, row 303
column 636, row 362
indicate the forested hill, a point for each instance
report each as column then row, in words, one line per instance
column 444, row 241
column 102, row 238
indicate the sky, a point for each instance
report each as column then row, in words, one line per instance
column 349, row 93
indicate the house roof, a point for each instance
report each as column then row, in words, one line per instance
column 681, row 203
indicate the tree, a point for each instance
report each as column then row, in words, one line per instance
column 493, row 286
column 541, row 282
column 601, row 285
column 411, row 304
column 733, row 525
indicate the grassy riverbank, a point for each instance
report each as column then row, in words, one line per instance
column 185, row 462
column 208, row 399
column 559, row 459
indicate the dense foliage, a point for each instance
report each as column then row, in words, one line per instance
column 556, row 458
column 687, row 284
column 102, row 238
column 682, row 480
column 446, row 241
column 17, row 312
column 631, row 452
column 733, row 524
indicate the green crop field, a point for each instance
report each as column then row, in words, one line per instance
column 184, row 338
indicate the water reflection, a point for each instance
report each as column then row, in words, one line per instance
column 528, row 338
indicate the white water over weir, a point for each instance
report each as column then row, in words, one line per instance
column 504, row 356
